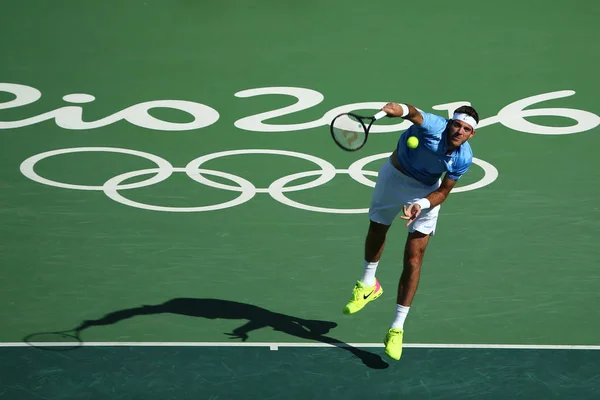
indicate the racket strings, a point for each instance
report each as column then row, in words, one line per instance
column 348, row 132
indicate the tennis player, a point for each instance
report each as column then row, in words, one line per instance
column 414, row 182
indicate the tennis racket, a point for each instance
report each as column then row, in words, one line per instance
column 350, row 131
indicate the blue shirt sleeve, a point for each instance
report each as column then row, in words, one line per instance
column 433, row 125
column 463, row 162
column 456, row 173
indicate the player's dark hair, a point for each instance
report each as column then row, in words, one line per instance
column 470, row 111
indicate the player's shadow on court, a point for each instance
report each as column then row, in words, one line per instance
column 257, row 318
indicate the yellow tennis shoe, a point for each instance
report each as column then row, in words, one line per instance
column 393, row 343
column 361, row 296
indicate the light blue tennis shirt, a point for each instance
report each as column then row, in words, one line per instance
column 429, row 161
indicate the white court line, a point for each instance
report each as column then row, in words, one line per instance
column 275, row 346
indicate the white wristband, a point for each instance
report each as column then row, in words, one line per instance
column 424, row 203
column 405, row 110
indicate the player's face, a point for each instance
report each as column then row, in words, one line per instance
column 459, row 132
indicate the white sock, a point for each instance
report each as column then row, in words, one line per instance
column 368, row 278
column 401, row 313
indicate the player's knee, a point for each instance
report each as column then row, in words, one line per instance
column 413, row 260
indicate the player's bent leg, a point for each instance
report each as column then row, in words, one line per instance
column 368, row 288
column 375, row 241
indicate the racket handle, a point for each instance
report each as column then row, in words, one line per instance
column 380, row 115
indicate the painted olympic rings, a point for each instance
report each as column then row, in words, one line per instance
column 246, row 190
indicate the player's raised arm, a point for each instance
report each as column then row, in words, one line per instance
column 405, row 111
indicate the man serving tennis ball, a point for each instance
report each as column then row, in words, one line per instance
column 411, row 182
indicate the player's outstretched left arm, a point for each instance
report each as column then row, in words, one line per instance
column 433, row 199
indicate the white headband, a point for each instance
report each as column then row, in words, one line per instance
column 465, row 118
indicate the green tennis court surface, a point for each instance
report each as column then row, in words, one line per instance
column 167, row 175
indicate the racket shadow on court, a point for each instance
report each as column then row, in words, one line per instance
column 257, row 318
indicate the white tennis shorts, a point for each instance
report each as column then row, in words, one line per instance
column 394, row 190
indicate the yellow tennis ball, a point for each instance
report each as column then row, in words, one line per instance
column 412, row 142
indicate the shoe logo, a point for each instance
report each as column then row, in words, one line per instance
column 366, row 296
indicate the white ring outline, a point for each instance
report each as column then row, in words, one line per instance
column 27, row 167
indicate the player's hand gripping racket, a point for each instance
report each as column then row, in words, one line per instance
column 350, row 131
